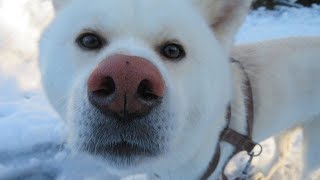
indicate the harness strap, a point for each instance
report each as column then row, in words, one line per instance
column 249, row 99
column 213, row 164
column 239, row 141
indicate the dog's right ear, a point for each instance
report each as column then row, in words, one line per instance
column 58, row 4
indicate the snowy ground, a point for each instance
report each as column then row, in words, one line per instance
column 31, row 134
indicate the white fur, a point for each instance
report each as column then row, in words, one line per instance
column 286, row 93
column 199, row 87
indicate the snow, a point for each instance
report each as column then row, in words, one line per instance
column 32, row 134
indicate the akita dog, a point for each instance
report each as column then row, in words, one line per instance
column 147, row 86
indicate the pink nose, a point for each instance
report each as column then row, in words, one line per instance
column 125, row 86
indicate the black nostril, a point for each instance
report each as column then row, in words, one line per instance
column 104, row 94
column 107, row 88
column 145, row 91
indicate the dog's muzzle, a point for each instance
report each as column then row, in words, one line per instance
column 131, row 121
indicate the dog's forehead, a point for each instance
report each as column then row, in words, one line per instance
column 138, row 14
column 133, row 7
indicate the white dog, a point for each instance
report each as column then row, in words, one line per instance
column 147, row 86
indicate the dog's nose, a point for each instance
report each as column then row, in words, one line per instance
column 125, row 86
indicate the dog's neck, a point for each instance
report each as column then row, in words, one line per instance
column 239, row 121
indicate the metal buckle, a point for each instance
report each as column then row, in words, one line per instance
column 252, row 154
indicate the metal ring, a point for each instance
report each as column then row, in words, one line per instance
column 252, row 152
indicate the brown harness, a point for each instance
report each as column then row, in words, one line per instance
column 239, row 141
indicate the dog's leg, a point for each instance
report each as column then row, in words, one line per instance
column 311, row 144
column 311, row 152
column 283, row 147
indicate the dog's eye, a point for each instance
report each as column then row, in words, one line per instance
column 90, row 41
column 172, row 51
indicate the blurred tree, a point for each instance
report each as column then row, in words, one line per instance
column 270, row 4
column 308, row 2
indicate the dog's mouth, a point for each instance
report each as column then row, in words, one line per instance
column 123, row 149
column 117, row 142
column 123, row 154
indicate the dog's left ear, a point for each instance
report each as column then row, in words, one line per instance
column 224, row 16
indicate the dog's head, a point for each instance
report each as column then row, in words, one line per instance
column 140, row 81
